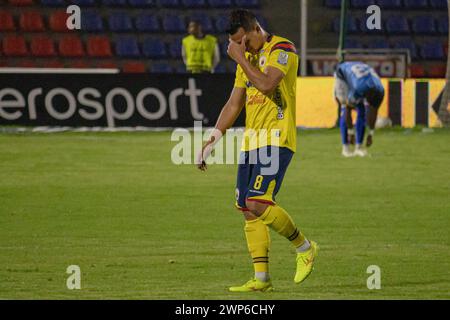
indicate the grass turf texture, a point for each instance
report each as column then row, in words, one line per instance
column 142, row 228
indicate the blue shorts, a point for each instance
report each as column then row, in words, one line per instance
column 260, row 174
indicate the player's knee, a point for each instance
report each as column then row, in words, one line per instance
column 255, row 207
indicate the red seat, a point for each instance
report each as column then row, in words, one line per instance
column 6, row 21
column 134, row 67
column 21, row 2
column 78, row 64
column 57, row 21
column 98, row 46
column 26, row 64
column 14, row 46
column 71, row 46
column 31, row 21
column 417, row 71
column 53, row 64
column 437, row 71
column 42, row 46
column 107, row 65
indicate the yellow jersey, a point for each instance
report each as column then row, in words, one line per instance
column 270, row 119
column 199, row 53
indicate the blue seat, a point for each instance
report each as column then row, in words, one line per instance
column 91, row 21
column 174, row 24
column 361, row 3
column 262, row 21
column 154, row 49
column 169, row 3
column 432, row 51
column 127, row 47
column 423, row 25
column 353, row 44
column 147, row 23
column 407, row 44
column 363, row 27
column 53, row 3
column 142, row 3
column 220, row 68
column 222, row 23
column 204, row 20
column 85, row 3
column 379, row 44
column 415, row 4
column 161, row 67
column 352, row 25
column 247, row 3
column 175, row 49
column 194, row 3
column 333, row 4
column 389, row 4
column 223, row 47
column 120, row 22
column 397, row 25
column 438, row 4
column 442, row 23
column 220, row 3
column 181, row 68
column 114, row 3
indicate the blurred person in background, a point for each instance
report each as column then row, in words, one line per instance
column 200, row 51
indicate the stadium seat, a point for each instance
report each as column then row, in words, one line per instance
column 71, row 46
column 361, row 3
column 437, row 71
column 114, row 3
column 147, row 23
column 31, row 21
column 175, row 49
column 432, row 51
column 169, row 3
column 223, row 49
column 53, row 64
column 220, row 3
column 78, row 64
column 352, row 24
column 222, row 23
column 423, row 25
column 99, row 46
column 221, row 68
column 42, row 46
column 14, row 46
column 154, row 49
column 417, row 71
column 142, row 3
column 84, row 3
column 91, row 21
column 134, row 67
column 438, row 4
column 127, row 47
column 397, row 25
column 107, row 65
column 161, row 67
column 181, row 68
column 19, row 3
column 415, row 4
column 247, row 3
column 6, row 21
column 193, row 4
column 389, row 4
column 353, row 44
column 53, row 3
column 364, row 29
column 335, row 4
column 173, row 23
column 27, row 64
column 120, row 22
column 379, row 44
column 205, row 22
column 442, row 23
column 407, row 44
column 57, row 21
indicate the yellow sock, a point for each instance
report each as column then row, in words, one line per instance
column 258, row 242
column 280, row 221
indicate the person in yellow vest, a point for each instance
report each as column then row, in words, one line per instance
column 200, row 51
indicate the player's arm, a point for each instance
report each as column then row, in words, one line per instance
column 371, row 119
column 230, row 112
column 264, row 82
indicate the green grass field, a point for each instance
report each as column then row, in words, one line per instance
column 140, row 227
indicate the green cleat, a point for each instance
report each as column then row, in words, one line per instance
column 305, row 262
column 253, row 285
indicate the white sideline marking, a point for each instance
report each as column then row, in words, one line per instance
column 60, row 70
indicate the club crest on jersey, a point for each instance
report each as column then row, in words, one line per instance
column 262, row 61
column 283, row 58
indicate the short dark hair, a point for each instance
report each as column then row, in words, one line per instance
column 241, row 18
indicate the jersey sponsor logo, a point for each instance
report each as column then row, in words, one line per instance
column 256, row 99
column 283, row 58
column 279, row 103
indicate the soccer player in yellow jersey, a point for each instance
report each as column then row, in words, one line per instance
column 265, row 85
